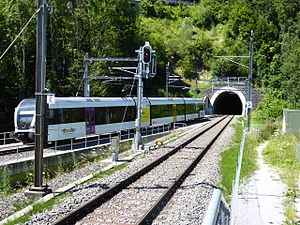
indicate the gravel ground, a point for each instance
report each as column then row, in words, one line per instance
column 7, row 205
column 195, row 193
column 5, row 159
column 87, row 191
column 140, row 195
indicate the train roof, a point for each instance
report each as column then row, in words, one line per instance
column 161, row 100
column 193, row 100
column 74, row 102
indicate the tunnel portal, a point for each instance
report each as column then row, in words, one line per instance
column 228, row 103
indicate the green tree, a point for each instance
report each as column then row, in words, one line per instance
column 16, row 67
column 290, row 70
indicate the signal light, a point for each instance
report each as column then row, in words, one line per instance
column 146, row 54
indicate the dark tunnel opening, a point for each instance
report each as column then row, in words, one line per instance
column 228, row 103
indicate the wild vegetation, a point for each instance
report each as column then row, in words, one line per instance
column 281, row 153
column 187, row 36
column 229, row 159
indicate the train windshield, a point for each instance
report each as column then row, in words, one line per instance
column 25, row 113
column 24, row 121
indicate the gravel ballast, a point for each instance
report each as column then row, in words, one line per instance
column 194, row 195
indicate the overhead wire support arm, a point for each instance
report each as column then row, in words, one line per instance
column 88, row 60
column 232, row 56
column 125, row 69
column 112, row 59
column 228, row 58
column 110, row 78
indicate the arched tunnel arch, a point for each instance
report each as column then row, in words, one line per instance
column 229, row 103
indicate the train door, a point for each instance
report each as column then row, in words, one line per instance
column 90, row 120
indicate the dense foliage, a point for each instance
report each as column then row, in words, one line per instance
column 186, row 36
column 101, row 28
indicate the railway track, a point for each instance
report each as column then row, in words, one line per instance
column 140, row 197
column 15, row 148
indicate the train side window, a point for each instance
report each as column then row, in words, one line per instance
column 55, row 116
column 168, row 110
column 180, row 109
column 155, row 111
column 73, row 115
column 200, row 106
column 130, row 113
column 158, row 111
column 190, row 108
column 116, row 114
column 101, row 115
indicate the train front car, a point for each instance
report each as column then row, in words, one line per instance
column 24, row 120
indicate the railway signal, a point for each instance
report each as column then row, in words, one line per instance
column 146, row 53
column 147, row 60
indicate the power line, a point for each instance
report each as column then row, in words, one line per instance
column 19, row 34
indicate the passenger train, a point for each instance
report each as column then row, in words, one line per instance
column 73, row 117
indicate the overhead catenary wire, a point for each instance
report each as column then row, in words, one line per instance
column 19, row 34
column 79, row 87
column 125, row 111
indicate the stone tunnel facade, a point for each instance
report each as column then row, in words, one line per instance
column 230, row 101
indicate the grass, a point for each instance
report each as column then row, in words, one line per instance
column 38, row 208
column 102, row 174
column 5, row 183
column 249, row 164
column 228, row 162
column 281, row 153
column 230, row 156
column 21, row 205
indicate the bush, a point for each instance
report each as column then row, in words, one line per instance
column 267, row 130
column 269, row 109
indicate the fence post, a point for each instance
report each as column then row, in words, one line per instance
column 115, row 146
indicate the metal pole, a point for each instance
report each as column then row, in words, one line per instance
column 167, row 78
column 40, row 95
column 250, row 79
column 139, row 104
column 85, row 75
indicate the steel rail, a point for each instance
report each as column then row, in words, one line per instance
column 160, row 203
column 14, row 150
column 89, row 206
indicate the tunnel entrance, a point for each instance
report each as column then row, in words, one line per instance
column 228, row 103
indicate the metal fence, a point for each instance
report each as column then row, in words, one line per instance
column 7, row 138
column 94, row 140
column 218, row 211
